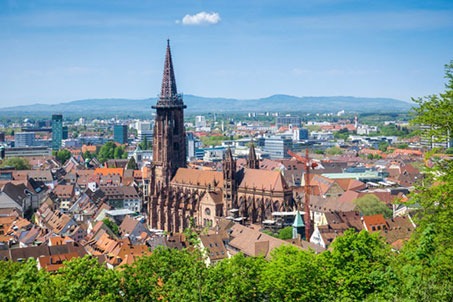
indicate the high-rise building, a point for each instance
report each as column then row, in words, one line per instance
column 278, row 147
column 120, row 134
column 144, row 131
column 57, row 131
column 200, row 121
column 300, row 134
column 65, row 133
column 24, row 139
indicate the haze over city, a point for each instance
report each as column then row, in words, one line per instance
column 54, row 51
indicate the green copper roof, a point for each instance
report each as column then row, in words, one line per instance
column 298, row 222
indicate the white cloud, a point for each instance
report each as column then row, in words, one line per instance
column 201, row 18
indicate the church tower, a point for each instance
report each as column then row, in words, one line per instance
column 169, row 145
column 252, row 161
column 229, row 182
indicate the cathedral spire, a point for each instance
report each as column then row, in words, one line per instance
column 252, row 161
column 168, row 90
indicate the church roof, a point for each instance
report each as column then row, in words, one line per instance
column 198, row 177
column 263, row 179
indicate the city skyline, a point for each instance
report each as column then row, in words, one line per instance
column 55, row 51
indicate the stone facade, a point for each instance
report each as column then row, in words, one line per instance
column 178, row 195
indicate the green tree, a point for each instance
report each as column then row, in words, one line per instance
column 24, row 282
column 213, row 140
column 370, row 205
column 402, row 145
column 293, row 275
column 111, row 225
column 145, row 144
column 18, row 163
column 334, row 151
column 383, row 146
column 84, row 279
column 358, row 267
column 436, row 111
column 341, row 134
column 285, row 233
column 236, row 279
column 111, row 151
column 166, row 275
column 106, row 152
column 118, row 152
column 132, row 164
column 63, row 155
column 191, row 234
column 88, row 155
column 425, row 264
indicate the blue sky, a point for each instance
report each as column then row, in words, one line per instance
column 54, row 51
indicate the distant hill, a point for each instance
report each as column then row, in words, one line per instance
column 194, row 103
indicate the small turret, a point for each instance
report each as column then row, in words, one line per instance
column 298, row 227
column 252, row 161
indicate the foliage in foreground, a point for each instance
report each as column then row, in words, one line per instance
column 360, row 266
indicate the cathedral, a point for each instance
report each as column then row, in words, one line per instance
column 178, row 194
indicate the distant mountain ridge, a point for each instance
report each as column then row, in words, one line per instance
column 278, row 102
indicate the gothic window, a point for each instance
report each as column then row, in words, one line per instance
column 207, row 211
column 175, row 127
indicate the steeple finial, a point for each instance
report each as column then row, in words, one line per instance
column 168, row 80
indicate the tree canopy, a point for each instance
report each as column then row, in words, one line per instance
column 111, row 151
column 17, row 163
column 63, row 155
column 436, row 111
column 370, row 205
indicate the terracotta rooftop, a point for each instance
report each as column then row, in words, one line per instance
column 109, row 171
column 263, row 179
column 64, row 191
column 374, row 222
column 55, row 262
column 252, row 242
column 198, row 177
column 214, row 246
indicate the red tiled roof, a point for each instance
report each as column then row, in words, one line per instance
column 374, row 222
column 198, row 177
column 109, row 171
column 263, row 179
